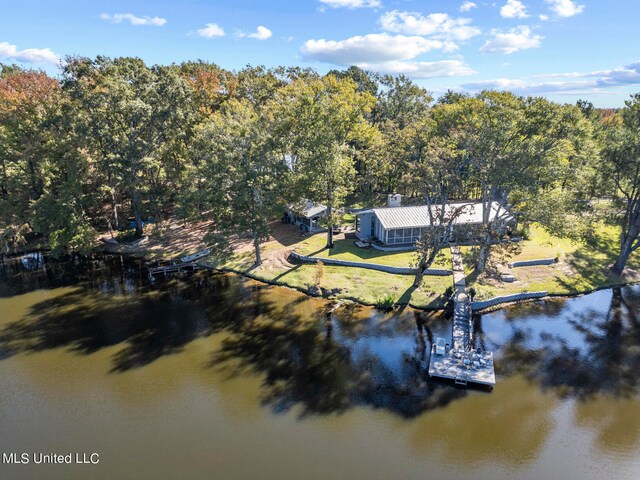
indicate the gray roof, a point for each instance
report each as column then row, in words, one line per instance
column 405, row 217
column 308, row 209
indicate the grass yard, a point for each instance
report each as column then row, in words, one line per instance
column 347, row 250
column 581, row 267
column 358, row 284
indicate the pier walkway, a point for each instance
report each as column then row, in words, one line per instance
column 460, row 362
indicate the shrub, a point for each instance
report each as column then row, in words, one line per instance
column 385, row 303
column 448, row 292
column 126, row 236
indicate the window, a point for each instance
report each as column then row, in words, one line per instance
column 403, row 235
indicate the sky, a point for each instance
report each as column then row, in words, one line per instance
column 562, row 49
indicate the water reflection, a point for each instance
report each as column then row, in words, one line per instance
column 334, row 361
column 578, row 349
column 226, row 347
column 322, row 358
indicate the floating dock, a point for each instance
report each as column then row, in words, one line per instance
column 463, row 367
column 459, row 362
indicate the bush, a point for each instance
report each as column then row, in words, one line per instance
column 525, row 232
column 472, row 292
column 126, row 236
column 385, row 303
column 448, row 293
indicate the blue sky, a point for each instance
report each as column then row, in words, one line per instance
column 563, row 49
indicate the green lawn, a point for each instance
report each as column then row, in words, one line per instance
column 358, row 284
column 347, row 250
column 582, row 267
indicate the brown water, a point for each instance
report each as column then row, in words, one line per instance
column 219, row 377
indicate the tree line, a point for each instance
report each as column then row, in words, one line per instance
column 112, row 140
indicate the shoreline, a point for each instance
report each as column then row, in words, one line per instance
column 147, row 257
column 549, row 296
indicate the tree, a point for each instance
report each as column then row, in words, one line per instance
column 622, row 156
column 317, row 120
column 513, row 147
column 132, row 114
column 401, row 112
column 436, row 170
column 29, row 101
column 242, row 173
column 366, row 81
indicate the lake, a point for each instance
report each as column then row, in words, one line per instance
column 216, row 376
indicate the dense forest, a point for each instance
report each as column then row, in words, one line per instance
column 113, row 142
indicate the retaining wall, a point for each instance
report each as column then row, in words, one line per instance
column 532, row 263
column 370, row 266
column 492, row 302
column 438, row 272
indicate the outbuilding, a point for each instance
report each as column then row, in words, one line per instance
column 306, row 216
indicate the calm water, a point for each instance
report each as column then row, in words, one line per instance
column 219, row 377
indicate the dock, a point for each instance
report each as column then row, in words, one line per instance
column 172, row 268
column 460, row 362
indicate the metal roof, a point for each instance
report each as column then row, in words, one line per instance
column 405, row 217
column 308, row 209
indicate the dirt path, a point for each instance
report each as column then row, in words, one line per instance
column 179, row 239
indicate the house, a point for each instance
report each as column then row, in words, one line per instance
column 307, row 216
column 404, row 225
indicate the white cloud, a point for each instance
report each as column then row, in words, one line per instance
column 576, row 83
column 524, row 87
column 466, row 6
column 519, row 38
column 352, row 3
column 385, row 53
column 438, row 25
column 210, row 30
column 28, row 55
column 261, row 33
column 514, row 9
column 373, row 48
column 544, row 18
column 444, row 68
column 565, row 8
column 133, row 19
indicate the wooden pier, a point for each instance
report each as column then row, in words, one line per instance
column 172, row 268
column 459, row 362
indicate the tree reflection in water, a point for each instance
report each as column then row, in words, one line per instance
column 336, row 362
column 309, row 355
column 324, row 361
column 600, row 353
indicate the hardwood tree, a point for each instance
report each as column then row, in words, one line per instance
column 318, row 118
column 513, row 146
column 622, row 156
column 436, row 170
column 29, row 101
column 243, row 175
column 132, row 114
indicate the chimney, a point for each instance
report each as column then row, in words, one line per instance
column 394, row 200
